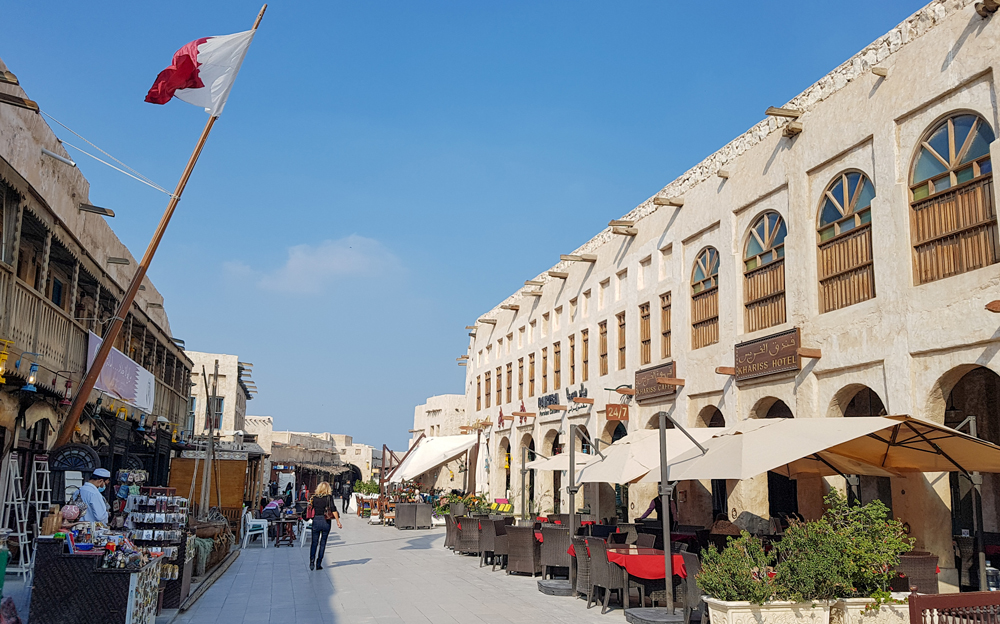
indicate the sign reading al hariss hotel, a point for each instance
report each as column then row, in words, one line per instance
column 769, row 355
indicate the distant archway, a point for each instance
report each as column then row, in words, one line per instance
column 860, row 401
column 504, row 461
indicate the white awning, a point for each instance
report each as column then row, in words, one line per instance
column 560, row 462
column 638, row 453
column 431, row 453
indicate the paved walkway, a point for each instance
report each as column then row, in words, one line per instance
column 379, row 574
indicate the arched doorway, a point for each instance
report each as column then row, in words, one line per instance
column 782, row 492
column 527, row 477
column 554, row 449
column 712, row 417
column 504, row 461
column 866, row 402
column 621, row 491
column 973, row 406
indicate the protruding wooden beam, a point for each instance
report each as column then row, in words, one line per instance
column 628, row 391
column 670, row 381
column 993, row 306
column 723, row 173
column 462, row 357
column 463, row 363
column 487, row 321
column 558, row 408
column 882, row 72
column 774, row 111
column 725, row 370
column 558, row 274
column 8, row 78
column 510, row 306
column 805, row 352
column 533, row 283
column 524, row 414
column 533, row 293
column 470, row 326
column 583, row 400
column 625, row 231
column 20, row 102
column 792, row 128
column 669, row 201
column 579, row 258
column 620, row 223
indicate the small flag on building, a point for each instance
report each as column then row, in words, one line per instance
column 203, row 72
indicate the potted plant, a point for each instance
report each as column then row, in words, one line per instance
column 840, row 561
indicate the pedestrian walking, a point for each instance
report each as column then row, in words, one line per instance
column 345, row 495
column 323, row 511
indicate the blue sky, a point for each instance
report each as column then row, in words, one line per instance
column 385, row 172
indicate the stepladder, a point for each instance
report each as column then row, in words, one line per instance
column 14, row 516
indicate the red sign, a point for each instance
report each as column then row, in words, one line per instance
column 616, row 411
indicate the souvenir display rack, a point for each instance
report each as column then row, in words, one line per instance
column 157, row 521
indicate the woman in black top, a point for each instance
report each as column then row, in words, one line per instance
column 323, row 511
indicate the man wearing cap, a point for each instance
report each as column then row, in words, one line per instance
column 91, row 493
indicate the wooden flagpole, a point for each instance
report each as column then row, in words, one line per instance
column 87, row 385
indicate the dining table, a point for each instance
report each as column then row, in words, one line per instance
column 284, row 530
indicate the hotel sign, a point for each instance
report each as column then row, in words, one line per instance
column 768, row 356
column 646, row 386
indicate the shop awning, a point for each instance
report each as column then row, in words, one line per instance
column 638, row 453
column 561, row 462
column 880, row 446
column 431, row 453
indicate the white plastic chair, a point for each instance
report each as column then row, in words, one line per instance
column 253, row 526
column 305, row 528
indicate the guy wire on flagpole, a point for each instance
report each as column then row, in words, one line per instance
column 87, row 385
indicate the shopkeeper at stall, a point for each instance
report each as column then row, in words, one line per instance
column 91, row 494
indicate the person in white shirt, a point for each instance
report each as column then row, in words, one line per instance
column 91, row 494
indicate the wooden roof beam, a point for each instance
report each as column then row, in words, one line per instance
column 510, row 306
column 533, row 283
column 790, row 113
column 668, row 201
column 579, row 258
column 559, row 274
column 625, row 231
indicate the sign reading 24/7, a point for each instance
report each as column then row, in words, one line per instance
column 769, row 355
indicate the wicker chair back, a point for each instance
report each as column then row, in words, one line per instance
column 555, row 547
column 692, row 593
column 645, row 540
column 524, row 554
column 630, row 531
column 584, row 582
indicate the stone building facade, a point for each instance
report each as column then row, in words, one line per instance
column 888, row 281
column 442, row 415
column 231, row 393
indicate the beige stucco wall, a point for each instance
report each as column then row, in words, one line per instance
column 234, row 399
column 909, row 344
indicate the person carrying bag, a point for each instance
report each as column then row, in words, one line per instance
column 322, row 510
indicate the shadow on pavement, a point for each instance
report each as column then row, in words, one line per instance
column 340, row 564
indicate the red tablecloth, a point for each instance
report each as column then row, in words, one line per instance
column 645, row 563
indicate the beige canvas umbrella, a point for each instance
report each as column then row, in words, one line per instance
column 633, row 456
column 790, row 446
column 917, row 445
column 560, row 462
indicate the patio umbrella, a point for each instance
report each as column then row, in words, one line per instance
column 633, row 456
column 917, row 445
column 431, row 453
column 482, row 467
column 560, row 462
column 790, row 446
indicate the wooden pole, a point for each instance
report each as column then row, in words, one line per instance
column 87, row 386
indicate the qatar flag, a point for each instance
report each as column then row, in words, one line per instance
column 203, row 72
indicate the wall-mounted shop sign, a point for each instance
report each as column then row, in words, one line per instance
column 768, row 355
column 237, row 455
column 616, row 411
column 545, row 401
column 646, row 386
column 577, row 394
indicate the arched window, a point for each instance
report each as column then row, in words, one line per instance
column 705, row 299
column 846, row 271
column 764, row 272
column 954, row 225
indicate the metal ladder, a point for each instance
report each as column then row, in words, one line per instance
column 15, row 507
column 40, row 490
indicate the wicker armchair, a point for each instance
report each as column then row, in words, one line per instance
column 457, row 509
column 606, row 575
column 450, row 532
column 920, row 567
column 500, row 543
column 632, row 534
column 468, row 535
column 554, row 549
column 562, row 518
column 583, row 584
column 645, row 540
column 692, row 593
column 487, row 541
column 524, row 552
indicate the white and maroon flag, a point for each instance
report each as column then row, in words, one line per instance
column 203, row 72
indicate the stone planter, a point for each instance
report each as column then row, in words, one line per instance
column 723, row 612
column 854, row 611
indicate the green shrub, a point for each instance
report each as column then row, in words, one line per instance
column 366, row 487
column 812, row 563
column 739, row 571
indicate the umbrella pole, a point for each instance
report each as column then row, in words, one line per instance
column 571, row 488
column 668, row 579
column 524, row 473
